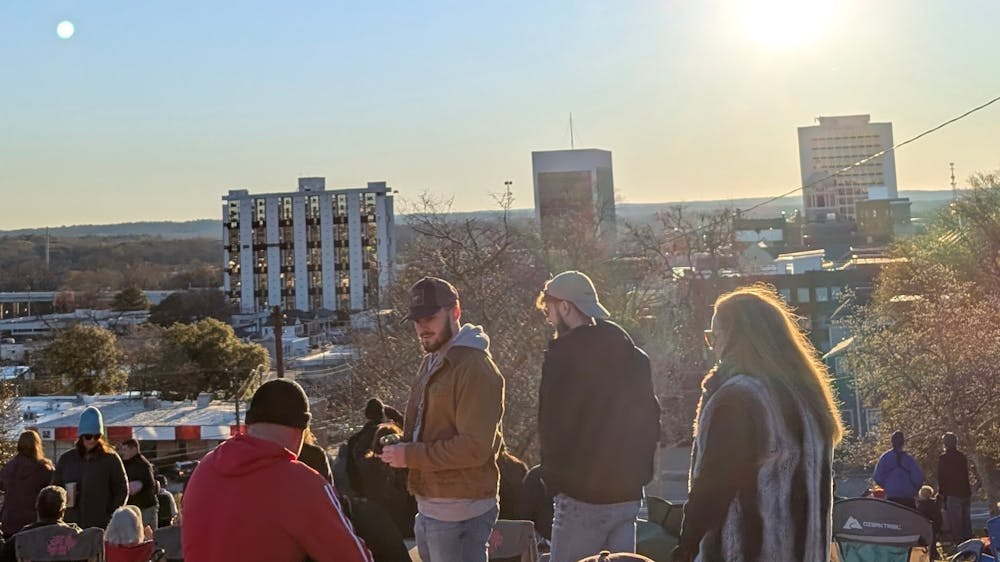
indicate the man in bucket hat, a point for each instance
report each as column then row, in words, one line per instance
column 451, row 431
column 250, row 499
column 598, row 422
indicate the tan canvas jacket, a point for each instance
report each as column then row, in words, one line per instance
column 460, row 437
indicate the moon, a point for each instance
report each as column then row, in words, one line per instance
column 65, row 29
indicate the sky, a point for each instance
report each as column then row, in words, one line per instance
column 154, row 110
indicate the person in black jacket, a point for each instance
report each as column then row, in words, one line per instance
column 954, row 490
column 92, row 475
column 314, row 456
column 21, row 479
column 167, row 509
column 598, row 422
column 141, row 482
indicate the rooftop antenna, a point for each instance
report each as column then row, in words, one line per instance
column 572, row 141
column 954, row 188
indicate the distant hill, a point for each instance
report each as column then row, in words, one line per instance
column 924, row 203
column 203, row 228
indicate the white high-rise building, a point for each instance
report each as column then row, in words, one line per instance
column 309, row 249
column 834, row 144
column 577, row 184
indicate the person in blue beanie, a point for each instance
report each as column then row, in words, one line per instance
column 898, row 473
column 92, row 474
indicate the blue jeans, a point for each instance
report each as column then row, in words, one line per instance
column 582, row 529
column 454, row 541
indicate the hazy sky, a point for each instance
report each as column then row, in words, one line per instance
column 153, row 110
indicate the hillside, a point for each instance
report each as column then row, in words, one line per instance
column 924, row 202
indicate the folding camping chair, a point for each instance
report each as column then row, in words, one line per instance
column 993, row 532
column 513, row 539
column 60, row 543
column 657, row 536
column 666, row 514
column 169, row 539
column 971, row 551
column 872, row 530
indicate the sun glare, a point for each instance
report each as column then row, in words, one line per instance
column 784, row 23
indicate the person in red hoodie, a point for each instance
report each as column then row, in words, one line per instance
column 251, row 500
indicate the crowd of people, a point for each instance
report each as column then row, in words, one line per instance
column 761, row 480
column 91, row 485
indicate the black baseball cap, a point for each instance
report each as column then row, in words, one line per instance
column 429, row 295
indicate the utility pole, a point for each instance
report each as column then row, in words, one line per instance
column 256, row 374
column 279, row 347
column 954, row 187
column 572, row 140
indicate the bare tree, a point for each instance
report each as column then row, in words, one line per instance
column 499, row 266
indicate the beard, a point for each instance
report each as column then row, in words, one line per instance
column 442, row 338
column 562, row 328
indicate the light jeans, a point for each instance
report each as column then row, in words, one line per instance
column 454, row 541
column 582, row 529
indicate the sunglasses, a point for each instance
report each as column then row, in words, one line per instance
column 90, row 436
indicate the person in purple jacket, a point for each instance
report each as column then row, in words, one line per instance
column 898, row 474
column 21, row 479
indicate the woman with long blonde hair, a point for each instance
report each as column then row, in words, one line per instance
column 21, row 479
column 762, row 460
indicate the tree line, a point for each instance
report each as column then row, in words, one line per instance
column 178, row 362
column 97, row 264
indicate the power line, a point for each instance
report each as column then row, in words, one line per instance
column 842, row 170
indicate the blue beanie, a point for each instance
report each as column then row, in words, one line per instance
column 91, row 422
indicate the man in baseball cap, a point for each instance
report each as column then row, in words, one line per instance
column 430, row 295
column 250, row 499
column 451, row 430
column 598, row 422
column 576, row 288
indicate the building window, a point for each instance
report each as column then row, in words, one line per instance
column 260, row 211
column 285, row 209
column 822, row 294
column 836, row 293
column 786, row 295
column 802, row 294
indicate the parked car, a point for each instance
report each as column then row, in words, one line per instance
column 184, row 470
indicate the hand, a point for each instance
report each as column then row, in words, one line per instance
column 394, row 455
column 147, row 532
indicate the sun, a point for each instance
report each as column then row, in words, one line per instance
column 785, row 23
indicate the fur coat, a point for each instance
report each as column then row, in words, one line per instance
column 761, row 477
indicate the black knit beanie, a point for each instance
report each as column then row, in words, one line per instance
column 282, row 402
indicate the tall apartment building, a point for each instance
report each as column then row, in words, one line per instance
column 309, row 249
column 834, row 144
column 578, row 184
